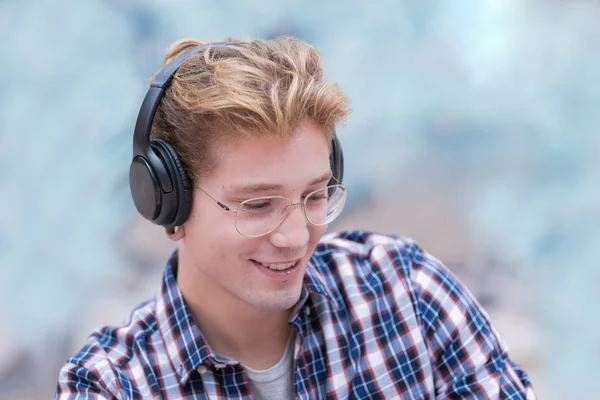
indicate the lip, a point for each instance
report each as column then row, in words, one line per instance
column 278, row 262
column 280, row 276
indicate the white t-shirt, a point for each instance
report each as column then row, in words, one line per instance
column 275, row 383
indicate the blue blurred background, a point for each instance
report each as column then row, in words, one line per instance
column 476, row 131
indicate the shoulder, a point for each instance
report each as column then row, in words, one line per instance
column 377, row 266
column 367, row 249
column 117, row 343
column 108, row 353
column 382, row 264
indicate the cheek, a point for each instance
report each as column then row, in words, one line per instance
column 209, row 235
column 222, row 239
column 316, row 232
column 209, row 221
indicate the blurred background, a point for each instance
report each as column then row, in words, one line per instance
column 476, row 131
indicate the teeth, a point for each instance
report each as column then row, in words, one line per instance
column 279, row 267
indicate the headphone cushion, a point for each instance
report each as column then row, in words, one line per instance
column 180, row 179
column 336, row 159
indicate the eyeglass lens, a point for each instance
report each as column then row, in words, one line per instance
column 259, row 216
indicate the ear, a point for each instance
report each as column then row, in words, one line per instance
column 176, row 233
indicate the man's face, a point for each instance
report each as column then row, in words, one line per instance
column 229, row 267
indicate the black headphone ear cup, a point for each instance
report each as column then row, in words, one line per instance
column 180, row 170
column 336, row 159
column 145, row 187
column 182, row 201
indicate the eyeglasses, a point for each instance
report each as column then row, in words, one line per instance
column 262, row 215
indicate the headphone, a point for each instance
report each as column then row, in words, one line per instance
column 159, row 184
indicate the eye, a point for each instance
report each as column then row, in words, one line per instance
column 256, row 206
column 318, row 196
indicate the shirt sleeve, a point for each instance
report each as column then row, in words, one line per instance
column 78, row 383
column 469, row 358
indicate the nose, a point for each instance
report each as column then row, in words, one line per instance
column 293, row 230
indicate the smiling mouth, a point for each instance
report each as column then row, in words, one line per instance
column 278, row 266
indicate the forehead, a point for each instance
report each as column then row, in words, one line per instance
column 295, row 160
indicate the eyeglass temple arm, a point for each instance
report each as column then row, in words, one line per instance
column 223, row 206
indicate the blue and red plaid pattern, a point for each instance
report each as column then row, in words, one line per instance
column 378, row 319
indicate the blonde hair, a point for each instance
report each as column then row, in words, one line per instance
column 224, row 93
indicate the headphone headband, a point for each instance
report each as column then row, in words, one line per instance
column 143, row 125
column 159, row 184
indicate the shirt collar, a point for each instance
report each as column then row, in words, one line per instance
column 314, row 280
column 186, row 347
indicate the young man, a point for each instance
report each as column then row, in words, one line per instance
column 244, row 171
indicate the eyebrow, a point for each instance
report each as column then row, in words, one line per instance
column 271, row 187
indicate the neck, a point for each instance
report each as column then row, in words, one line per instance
column 233, row 328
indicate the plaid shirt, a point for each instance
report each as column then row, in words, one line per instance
column 378, row 318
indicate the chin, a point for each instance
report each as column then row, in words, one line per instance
column 278, row 300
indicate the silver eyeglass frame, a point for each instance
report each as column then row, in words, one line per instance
column 287, row 209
